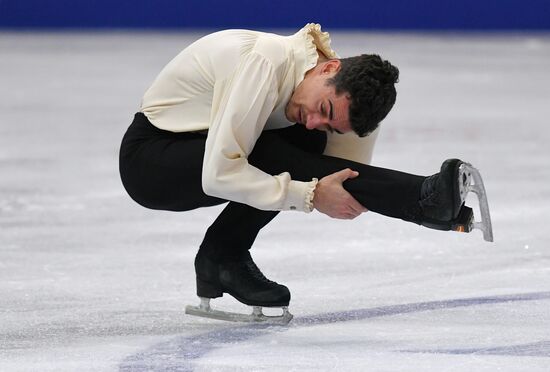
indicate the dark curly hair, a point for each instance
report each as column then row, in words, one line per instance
column 369, row 80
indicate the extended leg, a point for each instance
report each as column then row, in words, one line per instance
column 435, row 202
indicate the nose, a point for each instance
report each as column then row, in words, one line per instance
column 314, row 121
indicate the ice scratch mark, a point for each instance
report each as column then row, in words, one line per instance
column 179, row 353
column 359, row 314
column 535, row 349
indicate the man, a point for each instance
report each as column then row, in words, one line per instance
column 218, row 125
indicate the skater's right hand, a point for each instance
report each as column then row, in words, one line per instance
column 332, row 199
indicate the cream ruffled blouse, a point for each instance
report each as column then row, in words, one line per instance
column 235, row 84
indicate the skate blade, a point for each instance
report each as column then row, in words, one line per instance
column 257, row 316
column 467, row 174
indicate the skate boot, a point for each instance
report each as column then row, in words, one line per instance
column 442, row 198
column 245, row 282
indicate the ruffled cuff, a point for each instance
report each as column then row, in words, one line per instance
column 300, row 196
column 310, row 193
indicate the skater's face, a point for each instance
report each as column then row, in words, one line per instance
column 316, row 105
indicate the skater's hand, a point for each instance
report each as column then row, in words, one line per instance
column 333, row 200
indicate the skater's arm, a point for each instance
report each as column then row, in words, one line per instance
column 245, row 102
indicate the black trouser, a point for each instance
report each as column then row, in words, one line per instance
column 162, row 170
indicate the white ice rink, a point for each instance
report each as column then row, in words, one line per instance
column 90, row 281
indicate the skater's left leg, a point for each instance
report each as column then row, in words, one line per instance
column 162, row 170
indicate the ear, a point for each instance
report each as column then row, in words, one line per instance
column 330, row 66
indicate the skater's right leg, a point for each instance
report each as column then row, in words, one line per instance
column 162, row 170
column 224, row 265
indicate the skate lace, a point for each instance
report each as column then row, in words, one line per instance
column 255, row 272
column 428, row 191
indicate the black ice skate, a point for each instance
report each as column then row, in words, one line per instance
column 443, row 196
column 245, row 282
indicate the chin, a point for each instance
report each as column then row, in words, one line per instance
column 289, row 115
column 287, row 112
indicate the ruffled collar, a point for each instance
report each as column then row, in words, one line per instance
column 307, row 41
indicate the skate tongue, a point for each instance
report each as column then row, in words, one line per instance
column 428, row 186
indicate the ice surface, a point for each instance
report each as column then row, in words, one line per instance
column 90, row 281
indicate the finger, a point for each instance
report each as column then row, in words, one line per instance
column 344, row 216
column 354, row 205
column 353, row 174
column 355, row 212
column 348, row 213
column 344, row 174
column 347, row 216
column 351, row 216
